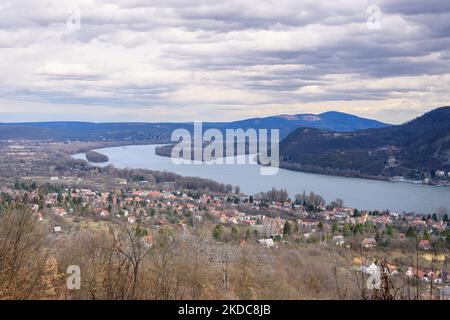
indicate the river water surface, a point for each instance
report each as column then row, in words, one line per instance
column 358, row 193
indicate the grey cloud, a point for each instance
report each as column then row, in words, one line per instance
column 415, row 7
column 159, row 54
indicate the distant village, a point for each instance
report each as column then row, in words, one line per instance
column 435, row 177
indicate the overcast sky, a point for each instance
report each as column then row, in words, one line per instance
column 182, row 60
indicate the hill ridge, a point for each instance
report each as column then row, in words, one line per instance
column 414, row 149
column 160, row 131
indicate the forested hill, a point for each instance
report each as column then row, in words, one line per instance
column 332, row 120
column 422, row 144
column 88, row 131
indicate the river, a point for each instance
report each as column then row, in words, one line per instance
column 357, row 193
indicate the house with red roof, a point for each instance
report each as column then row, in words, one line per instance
column 425, row 245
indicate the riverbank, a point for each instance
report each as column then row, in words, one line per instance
column 166, row 150
column 357, row 192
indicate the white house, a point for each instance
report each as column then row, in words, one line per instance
column 440, row 173
column 267, row 242
column 339, row 240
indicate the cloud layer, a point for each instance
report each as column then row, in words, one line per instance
column 182, row 60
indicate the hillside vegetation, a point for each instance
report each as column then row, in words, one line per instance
column 418, row 146
column 96, row 157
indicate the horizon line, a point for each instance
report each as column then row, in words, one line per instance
column 192, row 121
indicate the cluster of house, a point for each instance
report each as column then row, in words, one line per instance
column 422, row 223
column 140, row 201
column 437, row 276
column 440, row 177
column 441, row 173
column 440, row 278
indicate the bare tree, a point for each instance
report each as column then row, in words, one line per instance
column 24, row 253
column 163, row 267
column 128, row 243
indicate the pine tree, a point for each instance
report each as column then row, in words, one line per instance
column 411, row 233
column 346, row 230
column 389, row 230
column 287, row 228
column 378, row 237
column 334, row 228
column 217, row 232
column 295, row 228
column 320, row 226
column 247, row 234
column 235, row 234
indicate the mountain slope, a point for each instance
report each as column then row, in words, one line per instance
column 335, row 121
column 161, row 131
column 422, row 144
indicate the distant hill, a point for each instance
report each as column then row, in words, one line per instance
column 332, row 120
column 88, row 131
column 160, row 132
column 418, row 146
